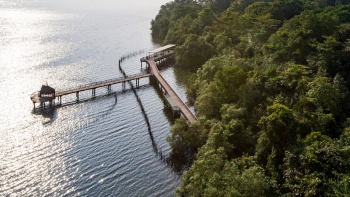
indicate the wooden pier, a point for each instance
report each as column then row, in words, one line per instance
column 152, row 59
column 159, row 55
column 92, row 87
column 173, row 99
column 106, row 83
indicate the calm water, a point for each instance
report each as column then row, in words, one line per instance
column 97, row 148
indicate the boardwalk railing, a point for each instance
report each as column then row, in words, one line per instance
column 102, row 84
column 171, row 94
column 173, row 99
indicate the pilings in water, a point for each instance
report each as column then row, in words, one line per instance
column 43, row 104
column 93, row 88
column 129, row 55
column 154, row 144
column 109, row 89
column 60, row 100
column 153, row 81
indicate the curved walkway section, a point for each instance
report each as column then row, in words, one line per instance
column 185, row 111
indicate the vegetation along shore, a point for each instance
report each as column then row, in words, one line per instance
column 270, row 83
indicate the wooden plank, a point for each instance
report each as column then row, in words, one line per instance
column 101, row 84
column 163, row 48
column 172, row 98
column 176, row 101
column 35, row 98
column 158, row 57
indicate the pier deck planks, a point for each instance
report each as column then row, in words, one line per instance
column 101, row 84
column 176, row 101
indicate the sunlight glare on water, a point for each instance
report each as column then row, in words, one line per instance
column 99, row 147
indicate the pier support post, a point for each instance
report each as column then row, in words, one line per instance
column 109, row 89
column 152, row 80
column 93, row 93
column 77, row 96
column 123, row 85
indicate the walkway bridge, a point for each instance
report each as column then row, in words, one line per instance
column 92, row 86
column 108, row 83
column 173, row 99
column 152, row 59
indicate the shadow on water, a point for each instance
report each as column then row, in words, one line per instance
column 47, row 113
column 168, row 62
column 154, row 144
column 51, row 113
column 181, row 76
column 156, row 40
column 167, row 109
column 178, row 161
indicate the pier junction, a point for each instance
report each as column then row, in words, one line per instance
column 49, row 96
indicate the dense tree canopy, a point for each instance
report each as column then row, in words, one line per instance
column 270, row 83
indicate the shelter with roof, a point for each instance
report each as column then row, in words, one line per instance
column 160, row 53
column 47, row 93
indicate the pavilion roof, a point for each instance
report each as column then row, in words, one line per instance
column 163, row 48
column 45, row 89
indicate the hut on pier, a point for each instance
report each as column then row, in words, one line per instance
column 159, row 54
column 46, row 94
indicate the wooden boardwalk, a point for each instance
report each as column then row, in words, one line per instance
column 171, row 96
column 152, row 59
column 92, row 86
column 158, row 57
column 102, row 84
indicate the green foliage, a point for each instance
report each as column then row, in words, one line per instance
column 276, row 133
column 194, row 52
column 340, row 186
column 178, row 33
column 185, row 140
column 212, row 175
column 171, row 12
column 222, row 90
column 324, row 95
column 207, row 104
column 238, row 137
column 270, row 82
column 320, row 169
column 227, row 81
column 297, row 38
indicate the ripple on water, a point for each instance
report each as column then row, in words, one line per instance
column 97, row 148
